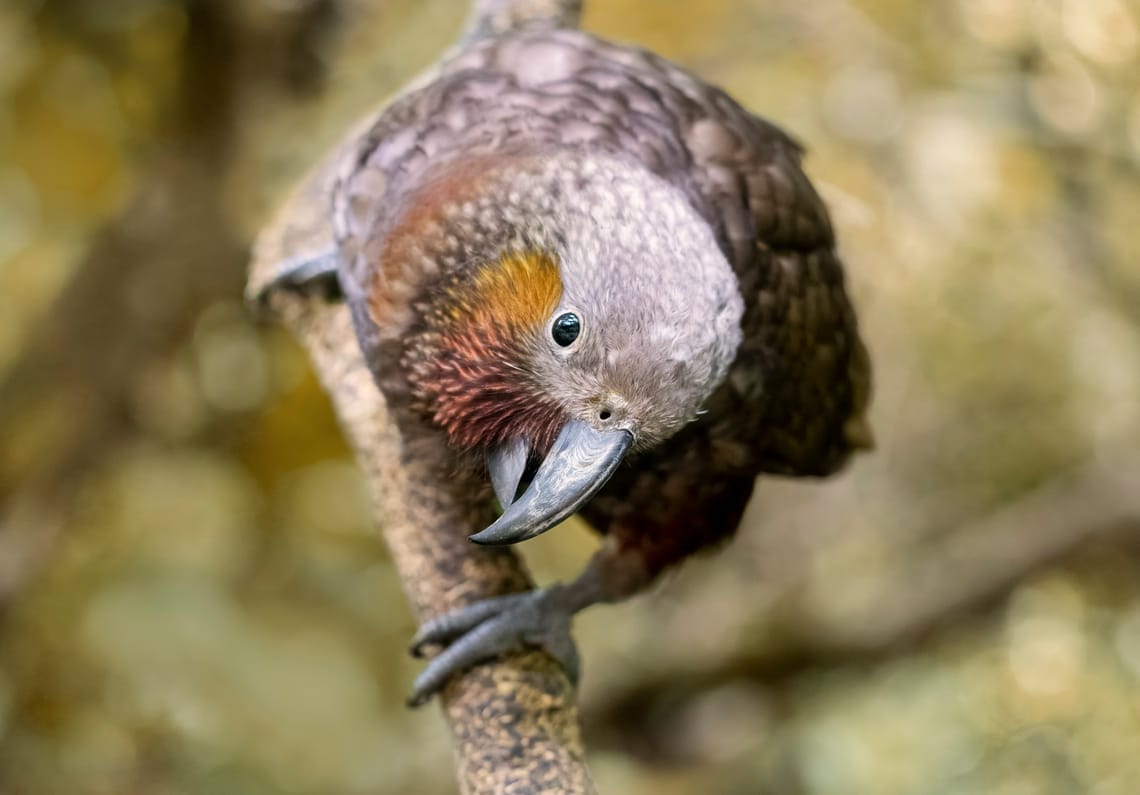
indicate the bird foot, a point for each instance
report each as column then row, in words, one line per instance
column 490, row 628
column 305, row 275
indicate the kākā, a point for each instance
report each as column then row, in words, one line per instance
column 587, row 281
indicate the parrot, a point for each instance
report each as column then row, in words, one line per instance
column 588, row 282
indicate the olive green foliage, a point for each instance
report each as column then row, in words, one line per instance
column 192, row 597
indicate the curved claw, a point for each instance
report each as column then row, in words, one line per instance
column 489, row 629
column 446, row 627
column 308, row 274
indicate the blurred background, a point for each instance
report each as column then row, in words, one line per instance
column 192, row 597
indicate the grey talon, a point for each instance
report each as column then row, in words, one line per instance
column 492, row 628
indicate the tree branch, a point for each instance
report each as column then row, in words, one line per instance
column 513, row 721
column 491, row 17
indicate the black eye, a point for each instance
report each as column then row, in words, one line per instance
column 566, row 329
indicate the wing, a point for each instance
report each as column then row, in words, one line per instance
column 802, row 377
column 799, row 389
column 801, row 382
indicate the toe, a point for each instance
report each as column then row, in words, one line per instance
column 446, row 627
column 490, row 629
column 485, row 642
column 310, row 273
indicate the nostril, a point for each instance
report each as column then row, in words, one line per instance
column 604, row 414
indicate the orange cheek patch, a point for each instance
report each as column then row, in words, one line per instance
column 472, row 373
column 508, row 297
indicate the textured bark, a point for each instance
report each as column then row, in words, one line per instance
column 489, row 17
column 514, row 721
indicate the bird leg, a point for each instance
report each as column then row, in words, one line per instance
column 533, row 619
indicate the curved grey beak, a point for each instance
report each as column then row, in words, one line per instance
column 506, row 465
column 578, row 465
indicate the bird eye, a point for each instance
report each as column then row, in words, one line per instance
column 566, row 328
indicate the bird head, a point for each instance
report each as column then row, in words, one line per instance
column 582, row 310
